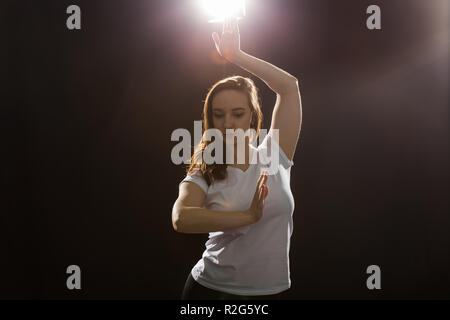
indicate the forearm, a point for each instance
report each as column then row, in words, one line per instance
column 276, row 79
column 202, row 220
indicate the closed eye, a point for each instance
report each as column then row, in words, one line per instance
column 221, row 115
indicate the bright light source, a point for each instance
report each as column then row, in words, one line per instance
column 218, row 10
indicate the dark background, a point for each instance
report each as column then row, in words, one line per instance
column 87, row 117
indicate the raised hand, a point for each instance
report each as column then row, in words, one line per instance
column 229, row 44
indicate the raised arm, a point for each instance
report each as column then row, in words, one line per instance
column 287, row 113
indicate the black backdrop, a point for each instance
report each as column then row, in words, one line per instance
column 87, row 117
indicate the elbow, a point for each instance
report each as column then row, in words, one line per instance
column 293, row 79
column 176, row 221
column 293, row 83
column 290, row 86
column 175, row 225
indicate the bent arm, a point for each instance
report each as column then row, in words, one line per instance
column 275, row 78
column 189, row 216
column 287, row 113
column 201, row 220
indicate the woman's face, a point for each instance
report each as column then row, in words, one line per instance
column 230, row 110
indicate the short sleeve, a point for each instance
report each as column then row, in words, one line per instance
column 198, row 179
column 267, row 143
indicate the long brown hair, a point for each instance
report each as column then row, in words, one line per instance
column 217, row 171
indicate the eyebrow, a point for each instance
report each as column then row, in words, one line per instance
column 219, row 109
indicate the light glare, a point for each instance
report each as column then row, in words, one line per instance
column 218, row 10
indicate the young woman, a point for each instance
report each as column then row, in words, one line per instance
column 247, row 253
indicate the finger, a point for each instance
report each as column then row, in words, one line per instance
column 259, row 180
column 215, row 37
column 260, row 194
column 261, row 177
column 228, row 25
column 258, row 187
column 224, row 25
column 234, row 25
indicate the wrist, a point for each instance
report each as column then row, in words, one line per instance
column 250, row 215
column 236, row 57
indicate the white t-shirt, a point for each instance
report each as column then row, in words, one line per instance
column 254, row 259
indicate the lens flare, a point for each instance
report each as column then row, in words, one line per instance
column 218, row 10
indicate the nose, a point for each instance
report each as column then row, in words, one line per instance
column 228, row 124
